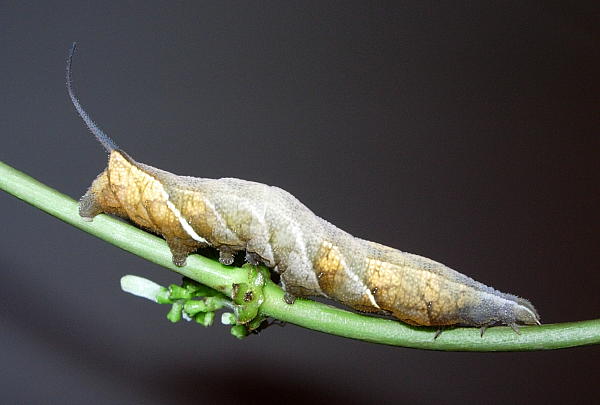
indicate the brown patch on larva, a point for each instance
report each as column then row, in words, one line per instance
column 136, row 191
column 127, row 190
column 413, row 294
column 378, row 273
column 192, row 206
column 147, row 203
column 340, row 282
column 143, row 197
column 328, row 265
column 100, row 198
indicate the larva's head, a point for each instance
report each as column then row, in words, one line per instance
column 525, row 313
column 498, row 308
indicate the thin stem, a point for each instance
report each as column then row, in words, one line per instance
column 114, row 231
column 303, row 312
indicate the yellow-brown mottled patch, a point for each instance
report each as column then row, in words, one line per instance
column 104, row 198
column 414, row 294
column 193, row 207
column 402, row 290
column 328, row 266
column 133, row 188
column 379, row 277
column 142, row 197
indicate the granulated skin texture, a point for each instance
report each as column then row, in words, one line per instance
column 312, row 255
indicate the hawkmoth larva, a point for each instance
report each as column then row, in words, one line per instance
column 312, row 256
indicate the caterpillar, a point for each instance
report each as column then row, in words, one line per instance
column 312, row 256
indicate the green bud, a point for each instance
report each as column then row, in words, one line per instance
column 239, row 331
column 174, row 314
column 192, row 307
column 176, row 292
column 205, row 318
column 214, row 303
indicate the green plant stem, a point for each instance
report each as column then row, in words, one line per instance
column 303, row 312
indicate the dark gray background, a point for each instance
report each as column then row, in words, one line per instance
column 465, row 133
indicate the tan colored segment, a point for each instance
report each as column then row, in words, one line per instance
column 128, row 184
column 342, row 283
column 142, row 197
column 193, row 207
column 415, row 295
column 401, row 290
column 104, row 198
column 381, row 278
column 327, row 264
column 154, row 201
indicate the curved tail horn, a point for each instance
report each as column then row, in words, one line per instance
column 104, row 139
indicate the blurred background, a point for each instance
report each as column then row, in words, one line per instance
column 467, row 133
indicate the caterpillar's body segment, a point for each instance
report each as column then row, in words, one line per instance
column 312, row 255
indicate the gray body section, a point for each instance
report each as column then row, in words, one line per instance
column 286, row 235
column 264, row 220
